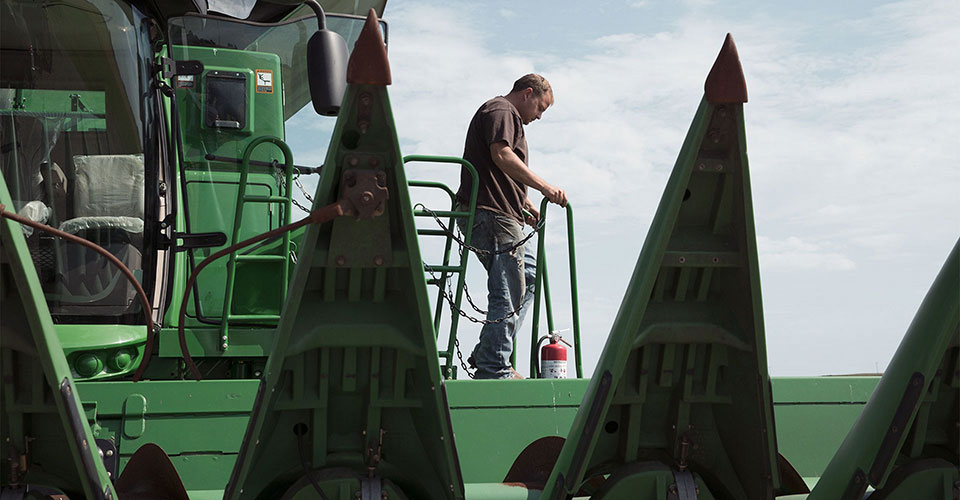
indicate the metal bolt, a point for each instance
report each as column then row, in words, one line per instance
column 366, row 197
column 682, row 259
column 341, row 260
column 109, row 453
column 365, row 99
column 716, row 260
column 85, row 443
column 701, row 166
column 378, row 260
column 224, row 338
column 353, row 161
column 224, row 345
column 719, row 168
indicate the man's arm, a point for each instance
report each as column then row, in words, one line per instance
column 511, row 164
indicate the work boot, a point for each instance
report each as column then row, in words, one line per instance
column 515, row 375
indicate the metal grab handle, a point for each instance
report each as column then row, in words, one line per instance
column 464, row 253
column 543, row 283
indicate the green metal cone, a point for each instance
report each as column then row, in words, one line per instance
column 682, row 382
column 354, row 367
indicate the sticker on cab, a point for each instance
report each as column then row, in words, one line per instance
column 264, row 81
column 185, row 81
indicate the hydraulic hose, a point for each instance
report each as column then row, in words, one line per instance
column 147, row 309
column 318, row 216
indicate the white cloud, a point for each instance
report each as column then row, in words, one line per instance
column 793, row 253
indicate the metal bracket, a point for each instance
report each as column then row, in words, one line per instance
column 179, row 242
column 365, row 191
column 169, row 68
column 110, row 457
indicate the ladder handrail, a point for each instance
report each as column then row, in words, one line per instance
column 544, row 284
column 238, row 217
column 464, row 253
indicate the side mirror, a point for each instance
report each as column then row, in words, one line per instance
column 327, row 57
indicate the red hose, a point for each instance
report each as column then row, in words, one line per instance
column 147, row 310
column 318, row 216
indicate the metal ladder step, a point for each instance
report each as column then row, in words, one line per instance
column 264, row 199
column 261, row 258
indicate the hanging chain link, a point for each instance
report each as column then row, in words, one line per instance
column 282, row 182
column 466, row 369
column 480, row 251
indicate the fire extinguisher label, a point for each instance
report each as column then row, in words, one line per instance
column 554, row 368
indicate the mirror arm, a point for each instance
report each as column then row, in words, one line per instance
column 318, row 10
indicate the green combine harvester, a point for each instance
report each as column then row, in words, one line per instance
column 175, row 325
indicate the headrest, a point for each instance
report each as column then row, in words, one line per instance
column 108, row 185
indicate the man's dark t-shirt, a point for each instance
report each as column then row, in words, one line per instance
column 497, row 120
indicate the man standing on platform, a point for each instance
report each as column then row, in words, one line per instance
column 497, row 147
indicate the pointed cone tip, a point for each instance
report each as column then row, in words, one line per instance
column 725, row 84
column 368, row 63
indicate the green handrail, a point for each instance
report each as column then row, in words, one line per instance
column 448, row 369
column 544, row 284
column 235, row 236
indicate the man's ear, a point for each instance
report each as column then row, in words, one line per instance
column 527, row 93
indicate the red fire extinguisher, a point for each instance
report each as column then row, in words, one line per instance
column 553, row 357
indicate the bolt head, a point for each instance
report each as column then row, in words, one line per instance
column 378, row 260
column 341, row 260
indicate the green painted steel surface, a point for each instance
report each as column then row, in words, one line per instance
column 495, row 420
column 352, row 386
column 910, row 424
column 683, row 373
column 37, row 379
column 813, row 415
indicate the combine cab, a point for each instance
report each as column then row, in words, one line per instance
column 177, row 323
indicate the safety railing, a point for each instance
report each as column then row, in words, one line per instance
column 445, row 269
column 543, row 284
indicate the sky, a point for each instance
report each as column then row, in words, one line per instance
column 852, row 135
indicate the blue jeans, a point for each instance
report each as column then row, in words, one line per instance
column 511, row 278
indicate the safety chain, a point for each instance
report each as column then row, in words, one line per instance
column 448, row 295
column 480, row 251
column 296, row 180
column 466, row 369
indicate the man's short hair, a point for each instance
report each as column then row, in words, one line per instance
column 539, row 84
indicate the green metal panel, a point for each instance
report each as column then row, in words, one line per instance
column 683, row 376
column 30, row 346
column 814, row 414
column 909, row 426
column 353, row 379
